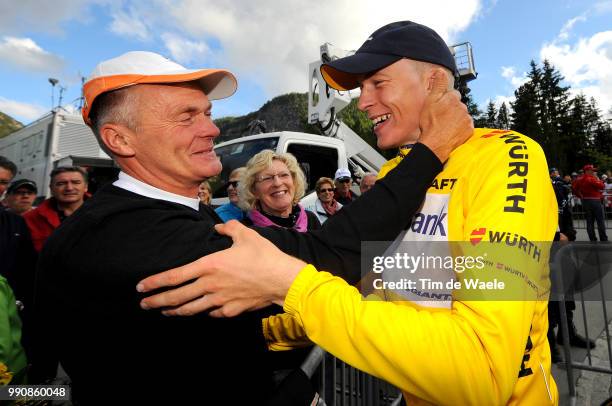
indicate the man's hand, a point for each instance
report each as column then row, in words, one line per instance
column 252, row 274
column 445, row 122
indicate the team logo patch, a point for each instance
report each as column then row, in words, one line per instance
column 477, row 235
column 493, row 133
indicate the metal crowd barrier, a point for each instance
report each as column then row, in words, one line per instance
column 579, row 218
column 339, row 384
column 578, row 271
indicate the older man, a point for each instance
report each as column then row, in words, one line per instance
column 68, row 187
column 231, row 210
column 444, row 343
column 153, row 117
column 367, row 181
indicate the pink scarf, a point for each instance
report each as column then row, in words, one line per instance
column 331, row 207
column 259, row 219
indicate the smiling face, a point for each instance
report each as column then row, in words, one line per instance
column 172, row 144
column 326, row 192
column 232, row 191
column 343, row 185
column 393, row 98
column 275, row 193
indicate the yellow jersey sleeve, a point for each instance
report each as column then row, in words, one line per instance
column 284, row 332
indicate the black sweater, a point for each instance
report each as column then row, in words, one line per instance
column 88, row 309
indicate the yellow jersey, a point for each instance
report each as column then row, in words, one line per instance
column 441, row 349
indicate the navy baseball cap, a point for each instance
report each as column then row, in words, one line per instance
column 389, row 44
column 22, row 183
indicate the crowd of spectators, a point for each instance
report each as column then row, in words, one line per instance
column 584, row 194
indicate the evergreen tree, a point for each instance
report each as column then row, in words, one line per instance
column 599, row 133
column 472, row 107
column 577, row 134
column 553, row 112
column 491, row 116
column 524, row 108
column 503, row 119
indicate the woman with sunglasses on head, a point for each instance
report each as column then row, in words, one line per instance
column 325, row 205
column 270, row 189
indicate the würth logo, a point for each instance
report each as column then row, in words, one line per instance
column 493, row 133
column 477, row 235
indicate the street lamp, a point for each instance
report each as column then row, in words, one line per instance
column 53, row 82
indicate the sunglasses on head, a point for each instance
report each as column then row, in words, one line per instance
column 233, row 183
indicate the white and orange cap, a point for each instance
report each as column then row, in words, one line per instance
column 138, row 67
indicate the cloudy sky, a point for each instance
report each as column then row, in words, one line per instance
column 269, row 43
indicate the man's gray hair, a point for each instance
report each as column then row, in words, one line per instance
column 116, row 107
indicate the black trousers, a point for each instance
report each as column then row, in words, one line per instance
column 593, row 210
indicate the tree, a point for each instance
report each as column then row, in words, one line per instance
column 491, row 115
column 600, row 137
column 503, row 118
column 472, row 107
column 553, row 112
column 524, row 108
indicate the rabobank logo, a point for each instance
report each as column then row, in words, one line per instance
column 431, row 222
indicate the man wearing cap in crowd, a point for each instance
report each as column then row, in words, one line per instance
column 344, row 195
column 589, row 189
column 68, row 187
column 436, row 347
column 153, row 117
column 20, row 196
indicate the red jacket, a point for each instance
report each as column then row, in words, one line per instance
column 42, row 221
column 588, row 187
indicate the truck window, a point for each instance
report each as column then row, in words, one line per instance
column 316, row 161
column 234, row 156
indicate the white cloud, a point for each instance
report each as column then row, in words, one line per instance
column 567, row 28
column 498, row 100
column 586, row 65
column 42, row 16
column 23, row 112
column 26, row 54
column 509, row 73
column 129, row 24
column 183, row 50
column 272, row 42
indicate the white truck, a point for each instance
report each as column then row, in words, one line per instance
column 58, row 138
